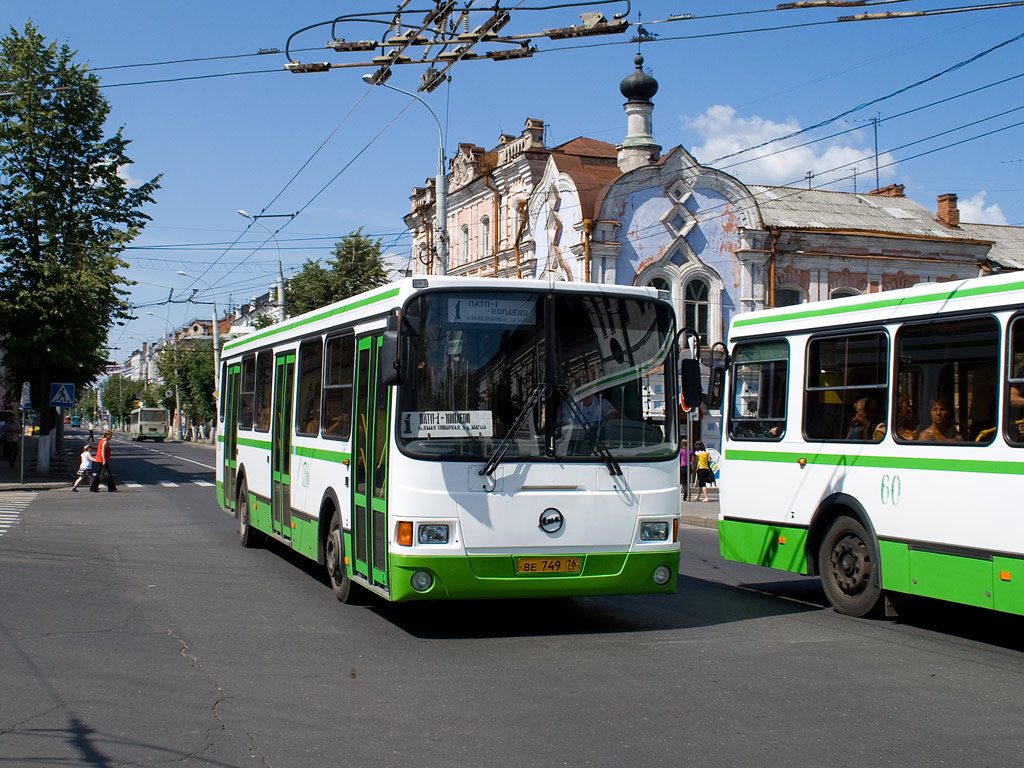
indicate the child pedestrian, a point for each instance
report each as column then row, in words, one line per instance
column 84, row 467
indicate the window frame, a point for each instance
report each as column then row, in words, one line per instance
column 268, row 391
column 246, row 411
column 341, row 337
column 730, row 405
column 899, row 367
column 1008, row 380
column 301, row 377
column 883, row 400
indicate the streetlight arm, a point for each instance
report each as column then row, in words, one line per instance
column 442, row 179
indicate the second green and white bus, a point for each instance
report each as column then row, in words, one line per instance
column 148, row 424
column 462, row 438
column 878, row 442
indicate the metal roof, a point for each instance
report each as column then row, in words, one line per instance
column 1008, row 250
column 793, row 208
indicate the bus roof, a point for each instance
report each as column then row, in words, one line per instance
column 929, row 299
column 381, row 300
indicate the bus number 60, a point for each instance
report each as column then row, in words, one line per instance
column 891, row 487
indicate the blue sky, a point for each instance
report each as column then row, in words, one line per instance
column 229, row 142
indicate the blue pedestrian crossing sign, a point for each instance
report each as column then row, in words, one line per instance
column 62, row 395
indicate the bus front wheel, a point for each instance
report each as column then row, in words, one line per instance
column 334, row 559
column 247, row 535
column 848, row 568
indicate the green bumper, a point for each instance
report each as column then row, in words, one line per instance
column 494, row 576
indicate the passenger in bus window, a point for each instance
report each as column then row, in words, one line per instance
column 866, row 423
column 942, row 428
column 906, row 427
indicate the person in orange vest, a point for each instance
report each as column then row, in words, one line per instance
column 101, row 464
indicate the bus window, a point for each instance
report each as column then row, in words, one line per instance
column 759, row 374
column 264, row 389
column 307, row 414
column 846, row 388
column 1014, row 422
column 337, row 408
column 223, row 383
column 248, row 390
column 946, row 381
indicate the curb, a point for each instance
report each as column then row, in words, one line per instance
column 699, row 522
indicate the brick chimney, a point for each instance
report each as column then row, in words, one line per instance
column 948, row 213
column 893, row 190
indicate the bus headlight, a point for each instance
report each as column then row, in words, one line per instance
column 422, row 580
column 433, row 534
column 661, row 575
column 654, row 531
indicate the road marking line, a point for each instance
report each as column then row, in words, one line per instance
column 173, row 456
column 204, row 483
column 133, row 484
column 168, row 484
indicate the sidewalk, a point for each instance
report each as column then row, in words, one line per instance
column 699, row 513
column 62, row 469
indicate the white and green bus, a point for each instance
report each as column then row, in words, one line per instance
column 878, row 442
column 148, row 424
column 447, row 438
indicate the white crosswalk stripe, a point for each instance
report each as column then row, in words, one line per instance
column 11, row 505
column 204, row 483
column 168, row 484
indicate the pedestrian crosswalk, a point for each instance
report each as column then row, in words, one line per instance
column 165, row 483
column 12, row 503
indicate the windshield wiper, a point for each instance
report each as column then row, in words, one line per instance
column 591, row 432
column 506, row 443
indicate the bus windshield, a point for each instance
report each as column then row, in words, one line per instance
column 578, row 375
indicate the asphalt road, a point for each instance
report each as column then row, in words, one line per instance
column 134, row 630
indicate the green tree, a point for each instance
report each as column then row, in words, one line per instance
column 119, row 395
column 263, row 320
column 356, row 265
column 66, row 213
column 190, row 367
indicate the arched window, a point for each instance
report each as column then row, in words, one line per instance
column 464, row 251
column 485, row 236
column 695, row 308
column 842, row 293
column 661, row 284
column 788, row 297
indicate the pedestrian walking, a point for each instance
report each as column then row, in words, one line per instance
column 101, row 464
column 92, row 432
column 84, row 467
column 12, row 438
column 684, row 470
column 705, row 476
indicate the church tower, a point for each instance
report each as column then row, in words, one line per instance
column 639, row 148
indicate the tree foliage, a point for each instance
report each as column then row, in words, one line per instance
column 356, row 265
column 190, row 368
column 66, row 213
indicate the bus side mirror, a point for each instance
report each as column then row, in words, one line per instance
column 689, row 371
column 390, row 363
column 716, row 385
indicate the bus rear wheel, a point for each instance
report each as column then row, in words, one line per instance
column 334, row 560
column 247, row 535
column 848, row 565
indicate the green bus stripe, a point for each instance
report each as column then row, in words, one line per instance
column 320, row 453
column 248, row 441
column 315, row 318
column 956, row 293
column 975, row 465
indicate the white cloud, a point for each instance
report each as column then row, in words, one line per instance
column 725, row 133
column 973, row 210
column 131, row 181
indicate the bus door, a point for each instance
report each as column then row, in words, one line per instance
column 231, row 389
column 281, row 444
column 369, row 448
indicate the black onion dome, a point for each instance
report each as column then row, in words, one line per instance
column 639, row 86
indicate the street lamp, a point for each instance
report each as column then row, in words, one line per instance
column 442, row 180
column 280, row 272
column 216, row 334
column 177, row 393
